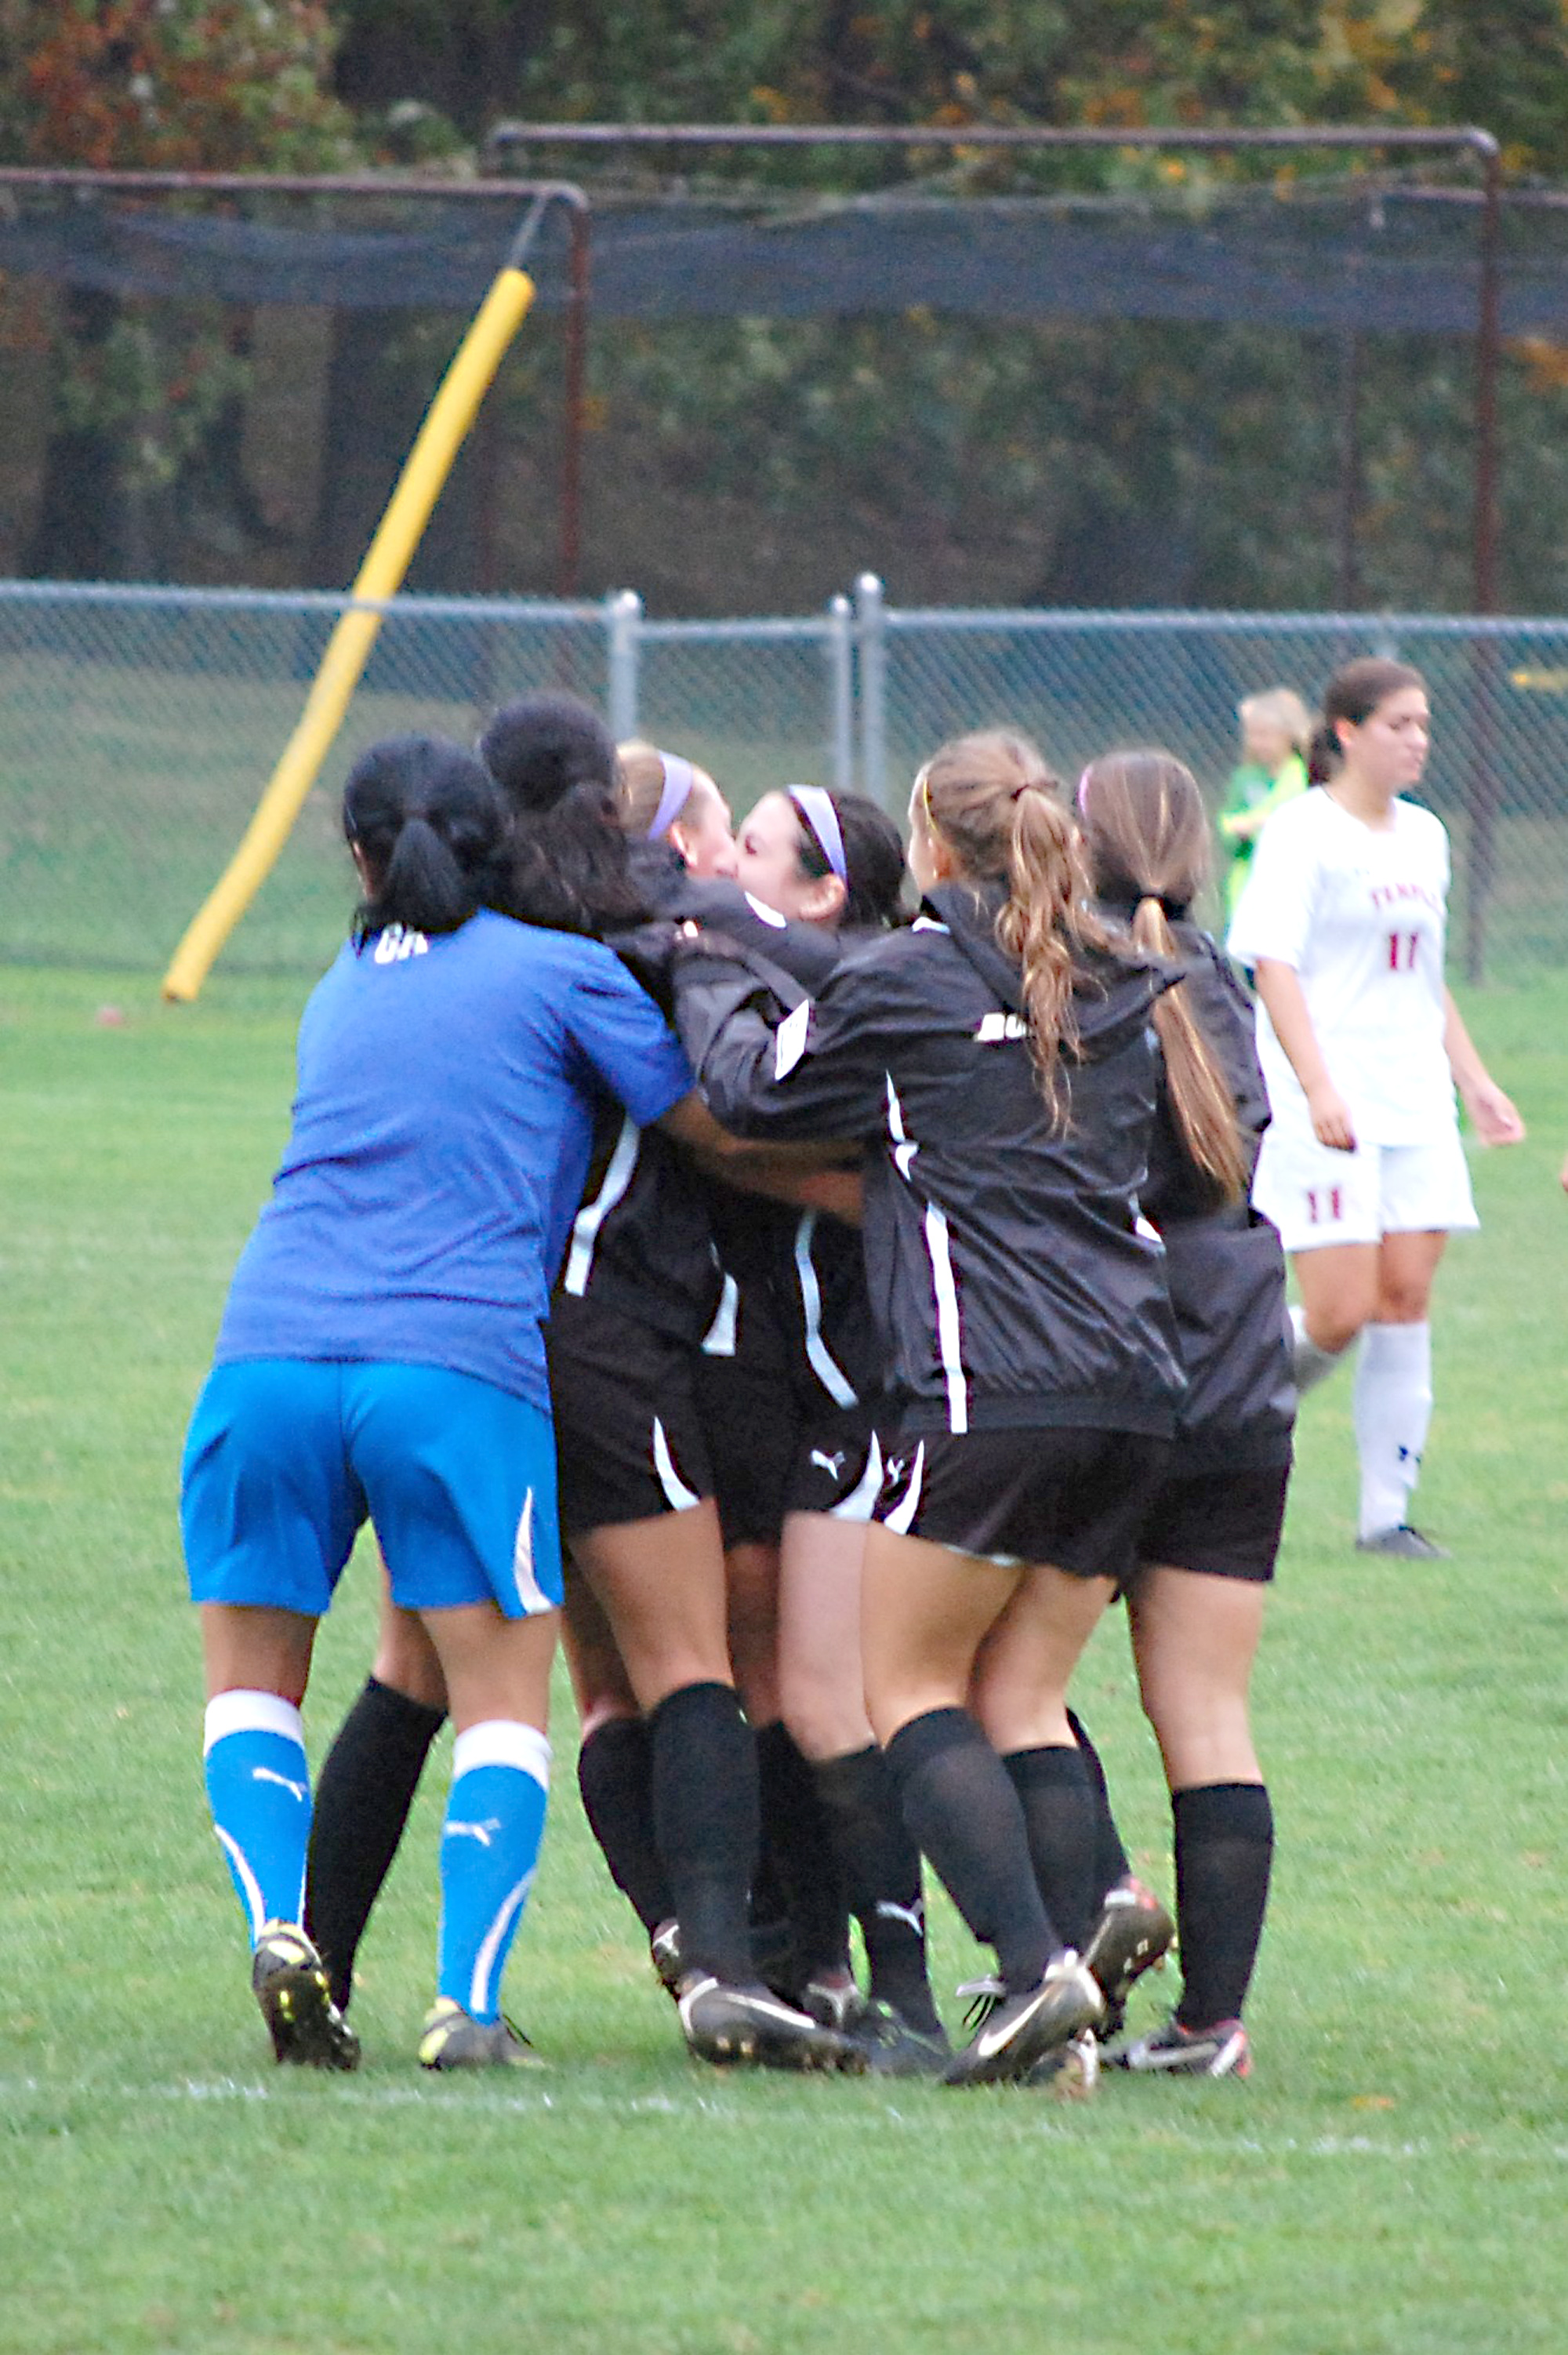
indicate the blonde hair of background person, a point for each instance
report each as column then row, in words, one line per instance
column 1276, row 727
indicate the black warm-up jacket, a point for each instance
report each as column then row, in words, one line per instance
column 1011, row 1277
column 644, row 1240
column 1223, row 1264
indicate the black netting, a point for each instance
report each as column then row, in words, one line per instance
column 1344, row 255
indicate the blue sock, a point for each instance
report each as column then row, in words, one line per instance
column 490, row 1847
column 259, row 1788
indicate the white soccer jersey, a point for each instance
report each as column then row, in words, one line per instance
column 1359, row 913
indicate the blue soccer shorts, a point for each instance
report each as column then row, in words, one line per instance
column 287, row 1456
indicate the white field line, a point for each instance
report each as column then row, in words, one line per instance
column 471, row 2099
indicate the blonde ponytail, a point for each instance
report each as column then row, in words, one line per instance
column 1044, row 920
column 1000, row 810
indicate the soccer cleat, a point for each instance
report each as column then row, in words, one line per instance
column 1132, row 1935
column 664, row 1952
column 290, row 1983
column 1405, row 1544
column 726, row 2024
column 1174, row 2051
column 895, row 2049
column 453, row 2039
column 833, row 2000
column 1018, row 2030
column 1071, row 2071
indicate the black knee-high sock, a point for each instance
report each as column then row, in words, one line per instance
column 705, row 1823
column 1057, row 1798
column 958, row 1802
column 615, row 1777
column 879, row 1866
column 362, row 1796
column 1111, row 1863
column 797, row 1846
column 1225, row 1847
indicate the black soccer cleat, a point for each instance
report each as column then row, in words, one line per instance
column 1403, row 1544
column 665, row 1954
column 1071, row 2071
column 1174, row 2051
column 1019, row 2031
column 288, row 1980
column 453, row 2039
column 893, row 2048
column 727, row 2025
column 833, row 2000
column 1132, row 1935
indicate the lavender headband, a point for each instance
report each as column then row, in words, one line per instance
column 679, row 778
column 816, row 807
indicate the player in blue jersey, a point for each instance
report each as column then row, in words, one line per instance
column 381, row 1357
column 567, row 865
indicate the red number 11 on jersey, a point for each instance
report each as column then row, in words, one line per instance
column 1402, row 947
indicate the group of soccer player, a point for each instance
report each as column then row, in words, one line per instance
column 860, row 1302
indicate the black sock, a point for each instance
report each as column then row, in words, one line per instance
column 1224, row 1847
column 1111, row 1857
column 364, row 1793
column 704, row 1820
column 615, row 1777
column 772, row 1939
column 879, row 1866
column 960, row 1803
column 1057, row 1798
column 797, row 1846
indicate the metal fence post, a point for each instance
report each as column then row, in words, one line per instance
column 840, row 691
column 622, row 621
column 871, row 634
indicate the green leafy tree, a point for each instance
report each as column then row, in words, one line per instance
column 148, row 395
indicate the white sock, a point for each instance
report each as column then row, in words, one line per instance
column 1311, row 1364
column 1392, row 1406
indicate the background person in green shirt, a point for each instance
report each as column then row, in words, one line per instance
column 1275, row 725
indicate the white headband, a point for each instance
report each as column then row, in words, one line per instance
column 816, row 807
column 679, row 778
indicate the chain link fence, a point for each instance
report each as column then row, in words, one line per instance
column 138, row 726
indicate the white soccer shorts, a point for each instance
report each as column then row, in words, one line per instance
column 1317, row 1196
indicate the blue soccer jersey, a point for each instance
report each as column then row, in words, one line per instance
column 440, row 1142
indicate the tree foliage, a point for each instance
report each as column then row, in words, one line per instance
column 170, row 85
column 146, row 393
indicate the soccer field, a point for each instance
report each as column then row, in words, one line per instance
column 1393, row 2177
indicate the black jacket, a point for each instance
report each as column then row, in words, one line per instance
column 1010, row 1277
column 643, row 1242
column 1224, row 1264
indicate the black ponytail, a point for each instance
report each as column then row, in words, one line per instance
column 427, row 821
column 566, row 864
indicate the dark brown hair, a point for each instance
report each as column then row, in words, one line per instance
column 993, row 800
column 1353, row 693
column 1148, row 840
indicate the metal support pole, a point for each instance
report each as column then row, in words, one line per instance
column 840, row 691
column 1348, row 592
column 872, row 642
column 569, row 566
column 622, row 623
column 1485, row 793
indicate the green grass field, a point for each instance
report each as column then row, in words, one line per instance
column 1394, row 2178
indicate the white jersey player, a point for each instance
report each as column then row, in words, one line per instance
column 1362, row 1172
